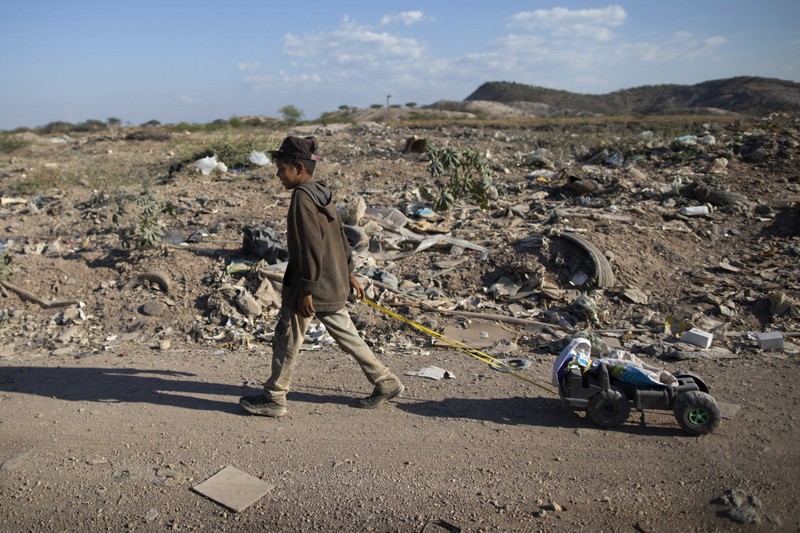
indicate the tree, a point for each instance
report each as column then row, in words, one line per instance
column 152, row 122
column 344, row 107
column 113, row 121
column 290, row 112
column 411, row 105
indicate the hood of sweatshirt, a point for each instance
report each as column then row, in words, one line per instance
column 322, row 196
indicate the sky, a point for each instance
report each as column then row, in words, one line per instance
column 197, row 61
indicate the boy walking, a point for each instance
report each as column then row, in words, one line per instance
column 317, row 282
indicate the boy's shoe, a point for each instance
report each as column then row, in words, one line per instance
column 262, row 406
column 383, row 392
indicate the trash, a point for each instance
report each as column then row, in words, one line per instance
column 505, row 286
column 238, row 266
column 685, row 141
column 357, row 238
column 675, row 326
column 415, row 145
column 635, row 295
column 431, row 372
column 577, row 352
column 259, row 158
column 770, row 340
column 579, row 279
column 264, row 242
column 354, row 211
column 234, row 489
column 627, row 368
column 317, row 336
column 614, row 160
column 694, row 211
column 207, row 165
column 517, row 363
column 419, row 210
column 698, row 337
column 779, row 303
column 391, row 216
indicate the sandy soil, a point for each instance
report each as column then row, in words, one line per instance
column 110, row 416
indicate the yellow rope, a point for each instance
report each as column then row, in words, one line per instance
column 477, row 354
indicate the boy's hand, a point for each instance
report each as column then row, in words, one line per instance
column 356, row 287
column 305, row 305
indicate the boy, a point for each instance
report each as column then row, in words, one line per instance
column 318, row 280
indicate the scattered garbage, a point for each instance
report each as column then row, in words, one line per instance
column 209, row 164
column 431, row 372
column 263, row 241
column 770, row 340
column 259, row 158
column 698, row 337
column 694, row 211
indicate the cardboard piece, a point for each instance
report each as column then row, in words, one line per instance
column 234, row 489
column 728, row 410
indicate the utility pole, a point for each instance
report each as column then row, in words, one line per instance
column 388, row 96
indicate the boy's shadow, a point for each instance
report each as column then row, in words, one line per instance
column 124, row 385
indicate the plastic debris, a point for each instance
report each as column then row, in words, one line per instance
column 259, row 158
column 431, row 372
column 206, row 164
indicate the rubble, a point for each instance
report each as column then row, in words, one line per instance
column 591, row 240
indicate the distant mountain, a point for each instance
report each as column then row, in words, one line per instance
column 743, row 94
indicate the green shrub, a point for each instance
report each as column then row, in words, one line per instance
column 457, row 173
column 148, row 230
column 10, row 143
column 5, row 269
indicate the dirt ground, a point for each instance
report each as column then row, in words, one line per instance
column 115, row 407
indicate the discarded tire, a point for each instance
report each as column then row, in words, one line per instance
column 697, row 412
column 609, row 408
column 602, row 268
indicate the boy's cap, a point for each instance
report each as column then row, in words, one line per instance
column 298, row 148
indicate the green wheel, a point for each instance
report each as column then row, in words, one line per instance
column 697, row 412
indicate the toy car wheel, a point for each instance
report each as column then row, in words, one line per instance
column 697, row 412
column 609, row 408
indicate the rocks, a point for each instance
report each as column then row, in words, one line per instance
column 154, row 308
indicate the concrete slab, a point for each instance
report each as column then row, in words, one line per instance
column 234, row 489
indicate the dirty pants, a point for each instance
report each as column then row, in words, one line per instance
column 288, row 338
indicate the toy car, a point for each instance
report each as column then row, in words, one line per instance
column 608, row 389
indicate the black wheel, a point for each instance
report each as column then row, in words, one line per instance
column 609, row 408
column 697, row 412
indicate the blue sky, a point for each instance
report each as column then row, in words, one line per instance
column 197, row 61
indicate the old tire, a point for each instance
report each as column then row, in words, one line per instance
column 697, row 412
column 609, row 408
column 602, row 268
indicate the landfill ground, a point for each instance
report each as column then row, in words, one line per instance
column 121, row 367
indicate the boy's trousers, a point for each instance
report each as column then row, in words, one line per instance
column 288, row 338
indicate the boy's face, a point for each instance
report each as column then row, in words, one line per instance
column 289, row 175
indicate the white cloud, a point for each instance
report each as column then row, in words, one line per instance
column 406, row 17
column 251, row 66
column 562, row 18
column 713, row 42
column 352, row 43
column 186, row 99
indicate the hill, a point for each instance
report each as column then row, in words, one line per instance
column 743, row 94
